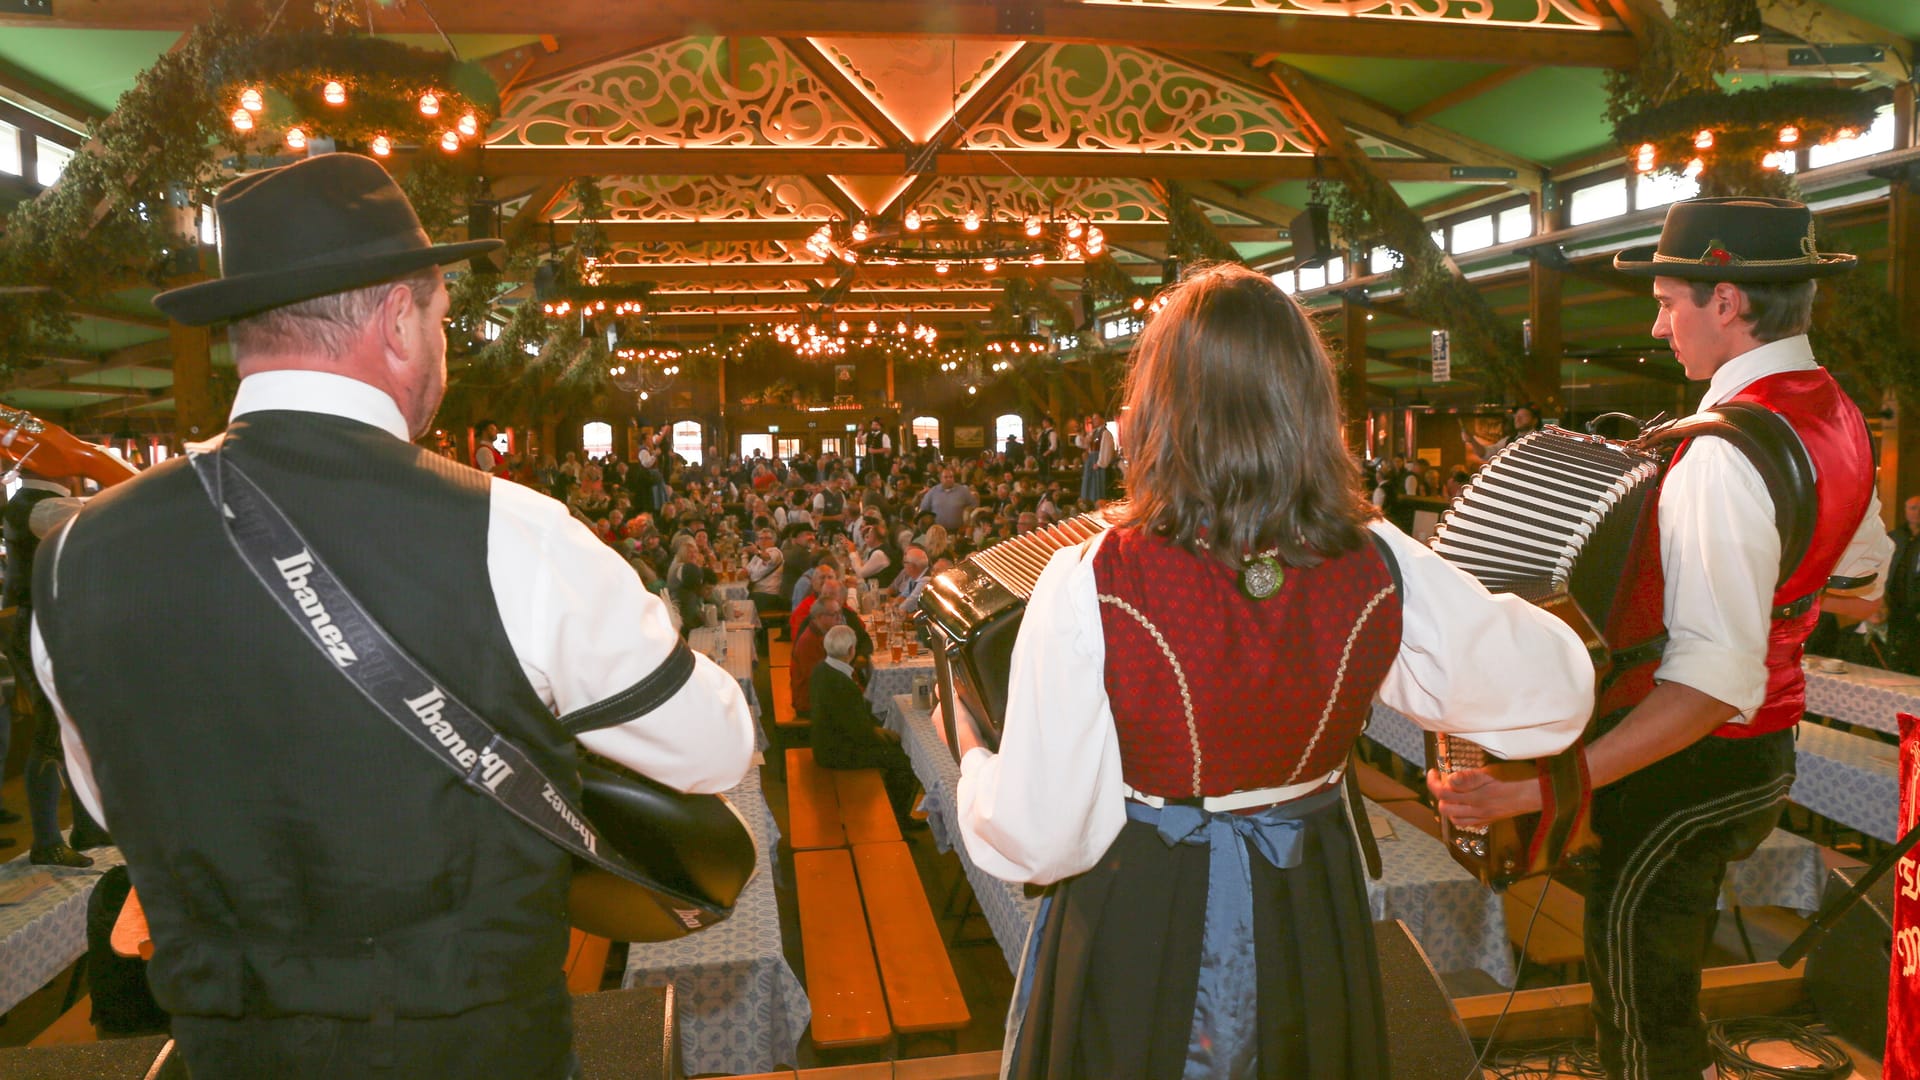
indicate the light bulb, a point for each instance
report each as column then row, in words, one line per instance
column 1037, row 260
column 940, row 267
column 990, row 265
column 973, row 389
column 873, row 327
column 1695, row 168
column 334, row 93
column 859, row 231
column 971, row 221
column 843, row 326
column 911, row 221
column 381, row 146
column 469, row 124
column 1643, row 159
column 242, row 120
column 1789, row 135
column 1846, row 133
column 449, row 141
column 296, row 139
column 1074, row 228
column 429, row 104
column 252, row 100
column 1703, row 139
column 1033, row 226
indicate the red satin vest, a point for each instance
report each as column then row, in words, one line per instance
column 1835, row 436
column 1214, row 693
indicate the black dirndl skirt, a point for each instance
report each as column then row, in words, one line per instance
column 1111, row 967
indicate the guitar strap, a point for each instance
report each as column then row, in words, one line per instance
column 456, row 736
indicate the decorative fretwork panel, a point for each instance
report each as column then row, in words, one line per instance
column 1096, row 199
column 706, row 288
column 704, row 252
column 697, row 91
column 707, row 198
column 1557, row 13
column 1082, row 97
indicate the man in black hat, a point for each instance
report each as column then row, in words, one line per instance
column 1694, row 775
column 325, row 899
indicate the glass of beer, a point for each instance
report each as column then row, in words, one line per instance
column 880, row 635
column 894, row 650
column 913, row 646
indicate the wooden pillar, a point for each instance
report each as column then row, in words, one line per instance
column 1353, row 380
column 1540, row 380
column 720, row 405
column 194, row 418
column 890, row 398
column 1900, row 437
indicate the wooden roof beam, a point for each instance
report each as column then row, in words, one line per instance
column 1823, row 24
column 1218, row 194
column 569, row 161
column 742, row 231
column 39, row 95
column 1460, row 95
column 1234, row 31
column 158, row 352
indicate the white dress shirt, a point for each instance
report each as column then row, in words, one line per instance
column 1720, row 550
column 1493, row 668
column 576, row 615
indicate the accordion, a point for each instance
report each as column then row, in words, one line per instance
column 1568, row 522
column 973, row 614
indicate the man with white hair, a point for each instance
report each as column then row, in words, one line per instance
column 846, row 734
column 326, row 898
column 912, row 579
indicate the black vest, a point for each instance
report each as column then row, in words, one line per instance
column 295, row 851
column 21, row 545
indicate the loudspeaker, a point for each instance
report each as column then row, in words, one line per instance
column 114, row 1059
column 626, row 1034
column 1425, row 1038
column 1311, row 236
column 1847, row 969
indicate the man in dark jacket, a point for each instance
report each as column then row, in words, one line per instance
column 1903, row 591
column 846, row 734
column 326, row 898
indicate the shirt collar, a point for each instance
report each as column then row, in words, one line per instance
column 319, row 392
column 47, row 485
column 1787, row 354
column 840, row 666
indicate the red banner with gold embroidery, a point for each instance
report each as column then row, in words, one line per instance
column 1903, row 994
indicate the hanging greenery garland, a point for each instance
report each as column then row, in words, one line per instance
column 1728, row 142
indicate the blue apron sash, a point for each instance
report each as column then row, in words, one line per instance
column 1225, row 1039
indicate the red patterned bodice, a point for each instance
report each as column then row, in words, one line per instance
column 1214, row 693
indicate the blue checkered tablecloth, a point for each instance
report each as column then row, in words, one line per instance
column 739, row 1007
column 43, row 935
column 891, row 679
column 1865, row 696
column 738, row 662
column 1785, row 872
column 1457, row 921
column 1851, row 779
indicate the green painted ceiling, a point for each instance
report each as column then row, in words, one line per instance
column 1900, row 16
column 132, row 378
column 56, row 400
column 1549, row 115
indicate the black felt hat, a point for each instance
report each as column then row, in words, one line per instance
column 323, row 225
column 1747, row 239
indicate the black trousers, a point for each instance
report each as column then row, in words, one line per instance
column 522, row 1039
column 1667, row 834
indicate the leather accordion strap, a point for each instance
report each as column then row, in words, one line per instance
column 456, row 736
column 637, row 700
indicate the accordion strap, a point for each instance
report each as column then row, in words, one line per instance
column 456, row 736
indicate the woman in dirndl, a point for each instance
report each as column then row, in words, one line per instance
column 1185, row 689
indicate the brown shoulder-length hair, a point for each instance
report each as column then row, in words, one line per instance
column 1233, row 427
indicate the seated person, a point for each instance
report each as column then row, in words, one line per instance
column 809, row 647
column 846, row 734
column 824, row 573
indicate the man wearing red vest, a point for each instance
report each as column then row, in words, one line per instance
column 1693, row 776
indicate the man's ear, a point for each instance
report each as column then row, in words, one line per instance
column 395, row 327
column 1729, row 303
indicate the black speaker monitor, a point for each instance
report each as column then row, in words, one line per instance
column 1847, row 969
column 1312, row 239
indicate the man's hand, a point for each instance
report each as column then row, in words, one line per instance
column 1472, row 798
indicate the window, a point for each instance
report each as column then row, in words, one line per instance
column 1876, row 139
column 1336, row 270
column 1598, row 202
column 1659, row 189
column 1382, row 260
column 688, row 443
column 751, row 444
column 1311, row 277
column 596, row 439
column 9, row 149
column 1515, row 223
column 1473, row 234
column 859, row 444
column 926, row 429
column 830, row 445
column 51, row 161
column 210, row 230
column 1009, row 424
column 1285, row 281
column 787, row 447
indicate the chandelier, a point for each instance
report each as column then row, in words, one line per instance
column 336, row 81
column 642, row 364
column 979, row 239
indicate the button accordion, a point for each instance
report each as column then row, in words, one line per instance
column 973, row 614
column 1570, row 522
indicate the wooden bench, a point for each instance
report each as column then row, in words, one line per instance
column 783, row 715
column 780, row 653
column 1558, row 939
column 813, row 804
column 865, row 811
column 923, row 994
column 843, row 985
column 586, row 963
